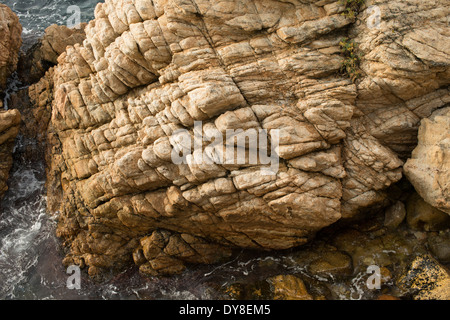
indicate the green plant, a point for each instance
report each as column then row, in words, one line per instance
column 352, row 58
column 351, row 8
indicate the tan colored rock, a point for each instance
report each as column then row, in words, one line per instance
column 405, row 66
column 428, row 169
column 289, row 287
column 334, row 263
column 9, row 128
column 10, row 43
column 144, row 73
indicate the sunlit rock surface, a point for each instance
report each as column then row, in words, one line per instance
column 149, row 68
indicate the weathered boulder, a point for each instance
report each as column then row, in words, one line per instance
column 158, row 67
column 10, row 42
column 428, row 169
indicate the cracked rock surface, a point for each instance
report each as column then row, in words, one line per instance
column 10, row 42
column 149, row 68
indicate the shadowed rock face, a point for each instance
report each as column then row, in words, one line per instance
column 150, row 68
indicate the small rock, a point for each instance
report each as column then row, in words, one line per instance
column 394, row 215
column 386, row 275
column 426, row 279
column 439, row 245
column 258, row 290
column 422, row 216
column 289, row 287
column 334, row 263
column 234, row 291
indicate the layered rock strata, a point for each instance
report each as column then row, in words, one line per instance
column 148, row 69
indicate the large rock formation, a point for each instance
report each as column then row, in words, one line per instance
column 10, row 42
column 150, row 68
column 429, row 168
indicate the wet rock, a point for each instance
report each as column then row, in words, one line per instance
column 428, row 169
column 426, row 279
column 255, row 290
column 395, row 215
column 422, row 216
column 390, row 250
column 234, row 291
column 289, row 287
column 439, row 245
column 10, row 42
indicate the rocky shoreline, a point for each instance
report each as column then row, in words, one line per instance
column 364, row 158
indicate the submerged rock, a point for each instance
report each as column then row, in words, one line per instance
column 333, row 263
column 289, row 287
